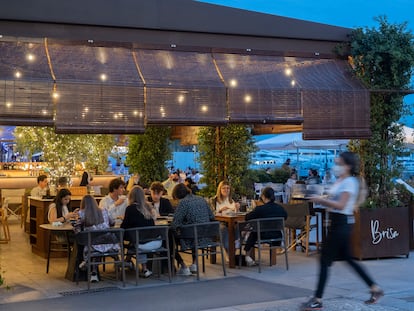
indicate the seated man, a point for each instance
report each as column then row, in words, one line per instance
column 268, row 210
column 41, row 189
column 115, row 202
column 162, row 205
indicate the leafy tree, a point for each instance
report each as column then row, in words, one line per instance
column 63, row 152
column 225, row 153
column 383, row 59
column 148, row 152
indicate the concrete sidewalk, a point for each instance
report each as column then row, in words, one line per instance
column 32, row 288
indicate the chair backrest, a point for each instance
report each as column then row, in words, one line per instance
column 268, row 229
column 204, row 233
column 296, row 214
column 14, row 196
column 146, row 234
column 100, row 237
column 277, row 187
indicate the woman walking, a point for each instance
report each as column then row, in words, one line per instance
column 344, row 196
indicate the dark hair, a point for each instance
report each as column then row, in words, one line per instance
column 157, row 186
column 180, row 191
column 41, row 178
column 115, row 184
column 58, row 201
column 269, row 193
column 351, row 159
column 62, row 181
column 314, row 172
column 85, row 177
column 190, row 181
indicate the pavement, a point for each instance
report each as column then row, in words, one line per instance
column 28, row 286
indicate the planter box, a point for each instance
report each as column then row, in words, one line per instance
column 381, row 233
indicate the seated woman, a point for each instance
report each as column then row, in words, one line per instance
column 268, row 210
column 224, row 204
column 91, row 217
column 139, row 213
column 59, row 210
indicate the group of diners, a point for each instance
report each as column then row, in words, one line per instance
column 137, row 210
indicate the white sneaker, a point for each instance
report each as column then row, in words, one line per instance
column 249, row 261
column 94, row 277
column 193, row 268
column 184, row 271
column 147, row 273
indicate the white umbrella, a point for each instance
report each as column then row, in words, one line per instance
column 295, row 141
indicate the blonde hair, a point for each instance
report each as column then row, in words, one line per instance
column 219, row 196
column 137, row 197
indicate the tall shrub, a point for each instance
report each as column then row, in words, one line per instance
column 148, row 152
column 225, row 153
column 383, row 59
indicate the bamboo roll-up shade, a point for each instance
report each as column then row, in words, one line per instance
column 335, row 104
column 259, row 90
column 182, row 88
column 25, row 84
column 100, row 90
column 99, row 108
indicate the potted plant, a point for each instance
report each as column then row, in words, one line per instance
column 383, row 59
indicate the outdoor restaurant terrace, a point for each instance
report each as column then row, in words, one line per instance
column 116, row 67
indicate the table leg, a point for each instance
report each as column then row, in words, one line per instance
column 232, row 249
column 49, row 234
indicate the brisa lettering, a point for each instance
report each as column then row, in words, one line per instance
column 378, row 235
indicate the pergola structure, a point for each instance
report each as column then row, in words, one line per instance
column 118, row 66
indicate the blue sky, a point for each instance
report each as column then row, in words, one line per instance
column 349, row 13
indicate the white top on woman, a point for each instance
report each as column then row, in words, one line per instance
column 350, row 185
column 231, row 207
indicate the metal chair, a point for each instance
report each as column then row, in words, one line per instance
column 142, row 235
column 299, row 218
column 106, row 237
column 269, row 231
column 205, row 237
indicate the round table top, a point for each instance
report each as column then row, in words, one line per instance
column 63, row 227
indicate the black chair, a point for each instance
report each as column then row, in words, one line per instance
column 299, row 218
column 270, row 232
column 95, row 258
column 205, row 237
column 143, row 235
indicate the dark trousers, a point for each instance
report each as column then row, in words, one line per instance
column 337, row 246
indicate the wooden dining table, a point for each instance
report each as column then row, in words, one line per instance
column 231, row 221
